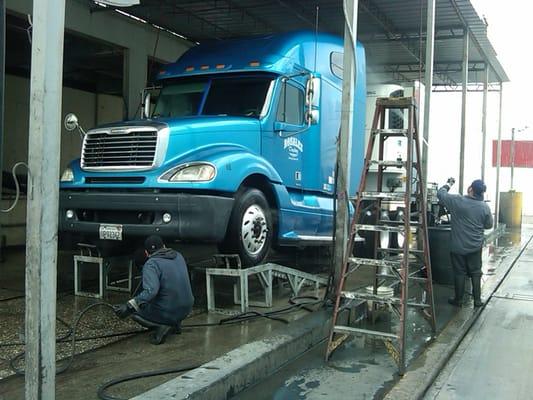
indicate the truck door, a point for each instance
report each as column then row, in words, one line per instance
column 284, row 148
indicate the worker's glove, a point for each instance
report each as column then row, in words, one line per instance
column 125, row 310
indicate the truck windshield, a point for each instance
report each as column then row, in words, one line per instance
column 234, row 96
column 179, row 100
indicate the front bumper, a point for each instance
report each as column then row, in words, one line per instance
column 194, row 217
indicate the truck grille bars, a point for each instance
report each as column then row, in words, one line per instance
column 119, row 148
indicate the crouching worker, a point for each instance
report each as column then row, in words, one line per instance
column 166, row 295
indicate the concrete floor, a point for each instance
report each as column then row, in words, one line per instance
column 362, row 368
column 494, row 360
column 99, row 360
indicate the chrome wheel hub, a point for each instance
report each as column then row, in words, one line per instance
column 254, row 229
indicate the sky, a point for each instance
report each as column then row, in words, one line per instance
column 510, row 26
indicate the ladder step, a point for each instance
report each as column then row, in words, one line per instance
column 370, row 297
column 396, row 251
column 384, row 195
column 382, row 228
column 374, row 263
column 388, row 222
column 379, row 299
column 348, row 330
column 392, row 163
column 395, row 102
column 391, row 132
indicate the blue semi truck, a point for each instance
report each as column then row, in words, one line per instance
column 238, row 149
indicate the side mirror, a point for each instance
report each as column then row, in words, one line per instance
column 312, row 99
column 146, row 105
column 313, row 116
column 71, row 122
column 312, row 92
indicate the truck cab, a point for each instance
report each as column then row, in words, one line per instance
column 239, row 149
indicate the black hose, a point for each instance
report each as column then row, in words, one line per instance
column 102, row 389
column 295, row 304
column 20, row 296
column 73, row 340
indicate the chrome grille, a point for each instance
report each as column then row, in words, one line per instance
column 119, row 149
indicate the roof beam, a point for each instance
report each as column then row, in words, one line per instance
column 472, row 36
column 441, row 67
column 407, row 37
column 393, row 34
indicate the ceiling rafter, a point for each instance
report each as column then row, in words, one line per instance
column 393, row 34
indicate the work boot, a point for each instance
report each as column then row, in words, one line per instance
column 476, row 290
column 159, row 335
column 457, row 301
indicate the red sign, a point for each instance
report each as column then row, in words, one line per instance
column 523, row 153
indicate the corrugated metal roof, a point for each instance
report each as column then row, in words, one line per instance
column 393, row 31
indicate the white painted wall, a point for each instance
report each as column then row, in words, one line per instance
column 91, row 109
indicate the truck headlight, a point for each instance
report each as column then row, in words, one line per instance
column 67, row 175
column 200, row 172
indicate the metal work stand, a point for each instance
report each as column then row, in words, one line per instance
column 89, row 254
column 265, row 273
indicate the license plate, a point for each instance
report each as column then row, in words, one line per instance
column 111, row 232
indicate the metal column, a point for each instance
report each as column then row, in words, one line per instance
column 428, row 80
column 511, row 157
column 42, row 209
column 2, row 86
column 344, row 159
column 484, row 121
column 498, row 162
column 463, row 111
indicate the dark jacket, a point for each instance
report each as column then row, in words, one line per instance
column 166, row 295
column 470, row 217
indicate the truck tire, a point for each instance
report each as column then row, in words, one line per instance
column 250, row 227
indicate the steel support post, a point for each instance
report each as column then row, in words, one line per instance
column 511, row 157
column 135, row 73
column 344, row 155
column 2, row 94
column 2, row 87
column 466, row 41
column 43, row 194
column 428, row 81
column 498, row 161
column 484, row 121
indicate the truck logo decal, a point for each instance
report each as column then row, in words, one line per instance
column 294, row 147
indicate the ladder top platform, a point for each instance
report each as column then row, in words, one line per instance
column 395, row 102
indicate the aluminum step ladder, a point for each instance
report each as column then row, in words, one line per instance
column 395, row 270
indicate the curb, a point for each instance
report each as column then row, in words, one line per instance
column 246, row 365
column 428, row 365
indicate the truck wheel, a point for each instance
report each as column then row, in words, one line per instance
column 250, row 227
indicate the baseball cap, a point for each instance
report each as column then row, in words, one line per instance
column 153, row 243
column 478, row 187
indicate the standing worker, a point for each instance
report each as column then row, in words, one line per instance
column 166, row 297
column 470, row 215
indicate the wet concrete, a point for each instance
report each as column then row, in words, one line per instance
column 494, row 359
column 102, row 360
column 362, row 368
column 361, row 362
